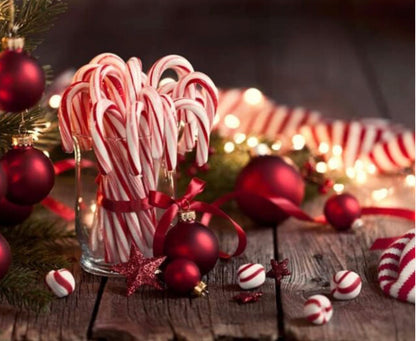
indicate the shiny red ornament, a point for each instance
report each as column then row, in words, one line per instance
column 182, row 276
column 192, row 241
column 342, row 210
column 268, row 176
column 5, row 256
column 22, row 81
column 12, row 214
column 30, row 175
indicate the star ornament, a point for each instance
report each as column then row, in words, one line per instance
column 278, row 270
column 139, row 270
column 247, row 297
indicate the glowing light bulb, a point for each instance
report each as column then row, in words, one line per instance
column 410, row 180
column 321, row 167
column 253, row 96
column 231, row 121
column 93, row 207
column 371, row 168
column 239, row 138
column 338, row 188
column 55, row 101
column 361, row 177
column 337, row 150
column 229, row 147
column 252, row 141
column 277, row 145
column 323, row 148
column 350, row 172
column 359, row 165
column 298, row 142
column 334, row 163
column 262, row 149
column 165, row 81
column 380, row 194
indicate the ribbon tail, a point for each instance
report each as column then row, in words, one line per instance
column 383, row 243
column 209, row 209
column 394, row 212
column 59, row 208
column 162, row 228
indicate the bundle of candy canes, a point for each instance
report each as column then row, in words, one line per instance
column 388, row 148
column 135, row 124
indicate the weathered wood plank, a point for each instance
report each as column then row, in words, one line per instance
column 155, row 315
column 316, row 253
column 68, row 318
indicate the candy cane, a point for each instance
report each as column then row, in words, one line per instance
column 171, row 132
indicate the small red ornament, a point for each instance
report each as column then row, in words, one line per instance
column 182, row 276
column 22, row 80
column 193, row 241
column 342, row 210
column 12, row 214
column 30, row 173
column 5, row 256
column 278, row 270
column 268, row 176
column 140, row 270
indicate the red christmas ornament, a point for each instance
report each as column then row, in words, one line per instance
column 12, row 214
column 5, row 256
column 30, row 174
column 268, row 176
column 342, row 210
column 193, row 241
column 22, row 80
column 182, row 276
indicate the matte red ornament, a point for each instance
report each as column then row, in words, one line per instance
column 30, row 175
column 22, row 81
column 5, row 256
column 192, row 241
column 342, row 210
column 12, row 214
column 182, row 276
column 268, row 176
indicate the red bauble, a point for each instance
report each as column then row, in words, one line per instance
column 30, row 175
column 22, row 81
column 268, row 176
column 192, row 241
column 12, row 214
column 5, row 256
column 182, row 276
column 342, row 210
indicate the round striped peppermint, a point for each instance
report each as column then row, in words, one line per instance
column 396, row 269
column 250, row 276
column 345, row 285
column 318, row 309
column 61, row 282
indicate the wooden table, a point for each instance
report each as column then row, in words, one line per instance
column 338, row 61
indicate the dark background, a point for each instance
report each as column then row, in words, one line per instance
column 343, row 58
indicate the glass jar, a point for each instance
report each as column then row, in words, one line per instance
column 109, row 216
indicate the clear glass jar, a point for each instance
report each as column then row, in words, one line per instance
column 104, row 233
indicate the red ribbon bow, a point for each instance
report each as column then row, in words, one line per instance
column 173, row 206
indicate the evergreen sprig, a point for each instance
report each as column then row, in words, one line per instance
column 37, row 247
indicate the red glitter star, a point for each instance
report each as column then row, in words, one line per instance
column 278, row 270
column 139, row 270
column 246, row 297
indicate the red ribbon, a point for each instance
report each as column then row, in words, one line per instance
column 292, row 210
column 173, row 206
column 384, row 243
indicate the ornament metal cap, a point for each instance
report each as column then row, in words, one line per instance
column 22, row 140
column 200, row 289
column 12, row 43
column 187, row 216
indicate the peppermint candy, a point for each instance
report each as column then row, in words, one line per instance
column 250, row 276
column 318, row 309
column 61, row 282
column 345, row 285
column 396, row 269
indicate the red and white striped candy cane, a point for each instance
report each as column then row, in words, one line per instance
column 203, row 127
column 171, row 132
column 177, row 63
